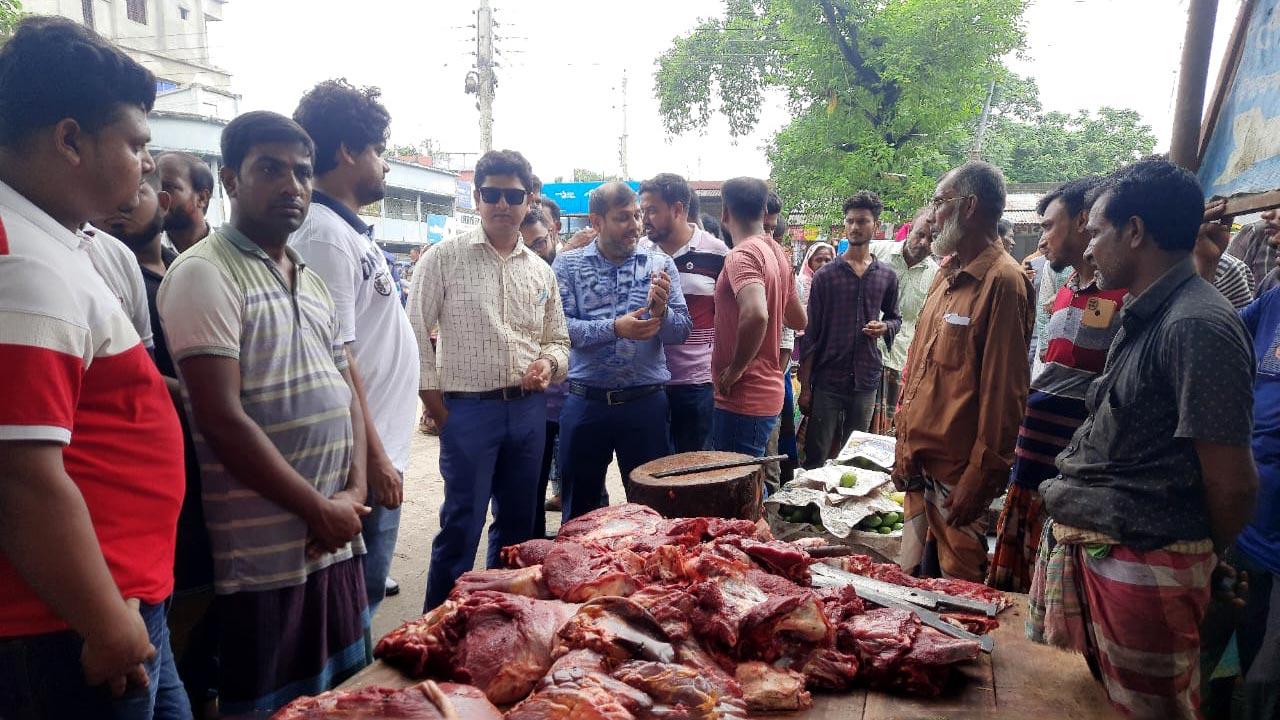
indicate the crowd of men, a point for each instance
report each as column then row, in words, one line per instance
column 206, row 430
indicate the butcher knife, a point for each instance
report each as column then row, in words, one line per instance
column 924, row 598
column 823, row 578
column 721, row 465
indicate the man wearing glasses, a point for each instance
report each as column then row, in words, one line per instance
column 503, row 340
column 965, row 380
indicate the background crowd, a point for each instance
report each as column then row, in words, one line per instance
column 206, row 429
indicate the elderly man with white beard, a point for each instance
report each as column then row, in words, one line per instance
column 965, row 383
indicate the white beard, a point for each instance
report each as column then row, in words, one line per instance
column 948, row 238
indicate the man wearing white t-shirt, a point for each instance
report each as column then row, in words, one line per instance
column 349, row 127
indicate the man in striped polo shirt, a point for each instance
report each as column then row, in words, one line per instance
column 1083, row 319
column 699, row 258
column 278, row 429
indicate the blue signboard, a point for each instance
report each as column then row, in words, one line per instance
column 462, row 198
column 435, row 228
column 1243, row 154
column 572, row 197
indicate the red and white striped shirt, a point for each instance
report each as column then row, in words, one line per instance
column 73, row 371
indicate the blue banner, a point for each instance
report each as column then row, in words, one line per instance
column 1243, row 155
column 435, row 228
column 573, row 197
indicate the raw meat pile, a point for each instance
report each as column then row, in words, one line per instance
column 629, row 615
column 412, row 703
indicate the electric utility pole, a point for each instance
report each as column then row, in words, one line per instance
column 622, row 141
column 487, row 80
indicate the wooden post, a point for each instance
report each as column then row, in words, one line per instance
column 1184, row 146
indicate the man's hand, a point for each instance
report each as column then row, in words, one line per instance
column 728, row 378
column 386, row 487
column 875, row 329
column 805, row 401
column 634, row 327
column 581, row 239
column 115, row 656
column 336, row 521
column 538, row 376
column 659, row 293
column 1030, row 272
column 433, row 401
column 965, row 505
column 1229, row 585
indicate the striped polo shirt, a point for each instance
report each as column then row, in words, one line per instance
column 699, row 264
column 1082, row 323
column 226, row 297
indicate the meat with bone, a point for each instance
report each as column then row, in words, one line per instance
column 527, row 581
column 577, row 573
column 898, row 652
column 500, row 643
column 527, row 553
column 753, row 614
column 617, row 629
column 679, row 686
column 766, row 688
column 411, row 703
column 613, row 526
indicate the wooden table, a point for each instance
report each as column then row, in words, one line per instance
column 1019, row 681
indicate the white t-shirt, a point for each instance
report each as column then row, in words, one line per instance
column 370, row 316
column 118, row 266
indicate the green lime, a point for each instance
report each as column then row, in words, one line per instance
column 849, row 479
column 897, row 526
column 884, row 529
column 872, row 521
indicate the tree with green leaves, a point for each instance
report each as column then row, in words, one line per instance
column 1057, row 146
column 879, row 90
column 10, row 14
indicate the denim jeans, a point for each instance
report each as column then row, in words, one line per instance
column 379, row 529
column 690, row 409
column 41, row 677
column 746, row 434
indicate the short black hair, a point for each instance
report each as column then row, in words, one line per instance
column 504, row 162
column 337, row 114
column 712, row 226
column 609, row 196
column 671, row 188
column 53, row 68
column 772, row 204
column 533, row 217
column 695, row 206
column 198, row 171
column 864, row 200
column 537, row 185
column 985, row 183
column 1003, row 227
column 1168, row 198
column 745, row 198
column 550, row 207
column 256, row 128
column 1072, row 193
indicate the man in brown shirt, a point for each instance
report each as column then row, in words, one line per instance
column 965, row 383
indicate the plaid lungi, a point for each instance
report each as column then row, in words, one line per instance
column 1135, row 615
column 1017, row 540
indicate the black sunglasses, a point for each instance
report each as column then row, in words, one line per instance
column 514, row 196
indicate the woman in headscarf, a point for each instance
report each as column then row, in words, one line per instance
column 820, row 253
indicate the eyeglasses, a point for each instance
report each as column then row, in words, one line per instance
column 937, row 203
column 514, row 196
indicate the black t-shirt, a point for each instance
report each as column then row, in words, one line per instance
column 152, row 281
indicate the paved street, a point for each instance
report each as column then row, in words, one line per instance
column 423, row 493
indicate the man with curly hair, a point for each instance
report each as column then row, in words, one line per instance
column 349, row 126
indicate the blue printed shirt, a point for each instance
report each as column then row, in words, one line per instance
column 1260, row 539
column 595, row 292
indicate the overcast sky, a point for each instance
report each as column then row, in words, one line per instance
column 559, row 97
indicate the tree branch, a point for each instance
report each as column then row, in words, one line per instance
column 849, row 46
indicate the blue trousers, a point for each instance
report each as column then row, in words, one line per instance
column 41, row 677
column 691, row 407
column 379, row 529
column 746, row 434
column 592, row 430
column 490, row 453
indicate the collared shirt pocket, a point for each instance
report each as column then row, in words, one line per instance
column 951, row 346
column 528, row 302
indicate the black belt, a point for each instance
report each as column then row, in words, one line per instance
column 613, row 397
column 515, row 392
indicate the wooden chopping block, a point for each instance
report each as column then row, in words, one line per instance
column 727, row 493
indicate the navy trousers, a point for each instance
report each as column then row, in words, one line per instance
column 592, row 430
column 691, row 407
column 490, row 453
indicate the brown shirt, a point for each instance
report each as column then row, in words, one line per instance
column 965, row 383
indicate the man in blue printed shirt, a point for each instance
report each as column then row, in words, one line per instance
column 621, row 308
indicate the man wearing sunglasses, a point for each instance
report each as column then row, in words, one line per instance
column 965, row 381
column 502, row 341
